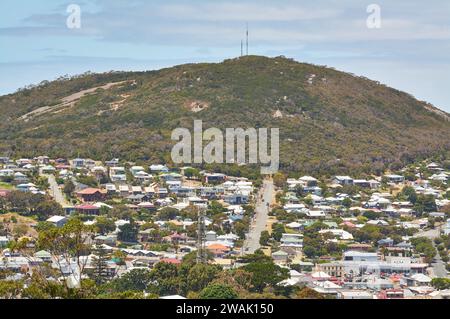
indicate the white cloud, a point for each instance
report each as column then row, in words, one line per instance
column 245, row 12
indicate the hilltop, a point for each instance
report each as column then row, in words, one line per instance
column 329, row 121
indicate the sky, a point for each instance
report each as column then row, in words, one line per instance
column 410, row 50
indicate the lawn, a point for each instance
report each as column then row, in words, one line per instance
column 6, row 186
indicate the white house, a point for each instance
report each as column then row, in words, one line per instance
column 343, row 180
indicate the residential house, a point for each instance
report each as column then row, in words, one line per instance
column 4, row 240
column 215, row 178
column 360, row 256
column 88, row 209
column 237, row 198
column 20, row 178
column 280, row 257
column 396, row 179
column 91, row 195
column 117, row 174
column 159, row 168
column 112, row 163
column 218, row 250
column 343, row 180
column 331, row 269
column 78, row 163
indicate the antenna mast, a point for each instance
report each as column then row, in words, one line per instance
column 247, row 38
column 201, row 249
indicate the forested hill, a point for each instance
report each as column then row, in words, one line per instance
column 329, row 121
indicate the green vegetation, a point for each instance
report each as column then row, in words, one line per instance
column 424, row 246
column 440, row 283
column 340, row 123
column 27, row 204
column 218, row 291
column 264, row 239
column 265, row 274
column 6, row 186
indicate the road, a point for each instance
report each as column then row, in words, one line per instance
column 264, row 199
column 55, row 191
column 437, row 265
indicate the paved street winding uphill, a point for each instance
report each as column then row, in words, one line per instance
column 55, row 191
column 265, row 198
column 438, row 266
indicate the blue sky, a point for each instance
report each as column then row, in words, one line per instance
column 411, row 50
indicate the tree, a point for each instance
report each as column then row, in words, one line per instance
column 104, row 225
column 347, row 202
column 410, row 194
column 41, row 288
column 277, row 231
column 299, row 190
column 166, row 278
column 308, row 201
column 372, row 215
column 88, row 290
column 440, row 283
column 168, row 213
column 100, row 273
column 425, row 203
column 308, row 293
column 424, row 246
column 218, row 291
column 48, row 208
column 191, row 172
column 88, row 180
column 279, row 179
column 258, row 256
column 67, row 245
column 264, row 239
column 238, row 279
column 120, row 211
column 215, row 208
column 10, row 289
column 128, row 295
column 200, row 275
column 42, row 183
column 310, row 251
column 134, row 280
column 265, row 274
column 128, row 232
column 22, row 202
column 69, row 187
column 240, row 229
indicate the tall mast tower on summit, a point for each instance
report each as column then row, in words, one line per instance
column 247, row 39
